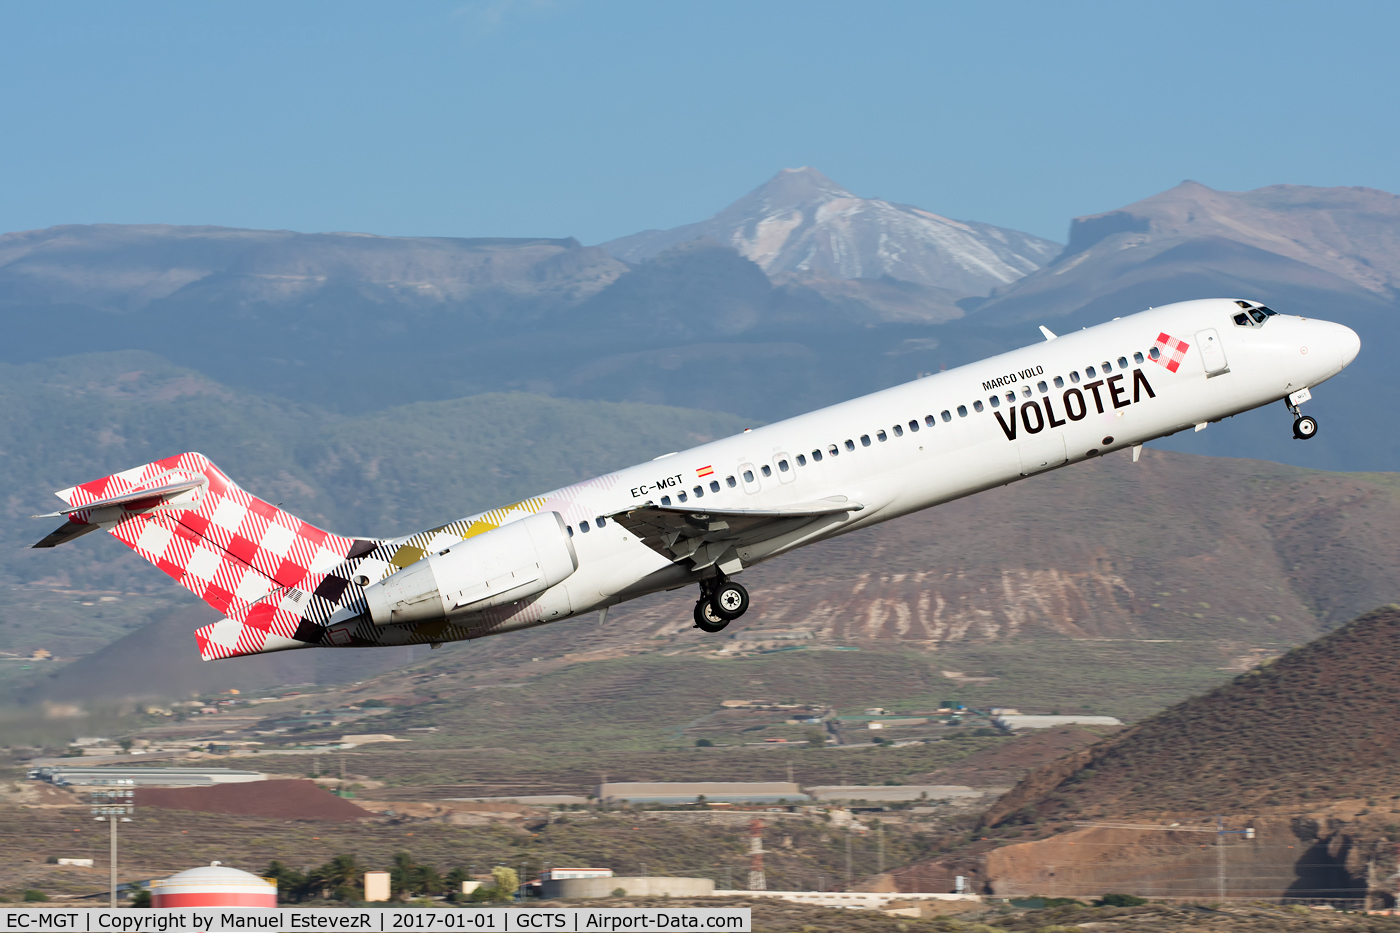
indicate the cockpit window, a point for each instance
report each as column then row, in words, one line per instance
column 1253, row 315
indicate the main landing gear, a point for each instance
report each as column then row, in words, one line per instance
column 721, row 602
column 1304, row 426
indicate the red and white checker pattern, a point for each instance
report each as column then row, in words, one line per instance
column 1173, row 351
column 231, row 551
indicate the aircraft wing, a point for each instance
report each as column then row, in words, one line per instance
column 706, row 536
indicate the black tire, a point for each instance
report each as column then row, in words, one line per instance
column 1305, row 428
column 730, row 601
column 706, row 619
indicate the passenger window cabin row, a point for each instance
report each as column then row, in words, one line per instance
column 1090, row 372
column 881, row 436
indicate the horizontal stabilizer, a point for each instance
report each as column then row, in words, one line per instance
column 65, row 533
column 166, row 491
column 144, row 499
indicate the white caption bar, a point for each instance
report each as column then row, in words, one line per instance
column 376, row 920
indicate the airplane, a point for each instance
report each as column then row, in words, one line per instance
column 701, row 516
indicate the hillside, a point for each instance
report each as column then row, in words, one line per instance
column 1315, row 725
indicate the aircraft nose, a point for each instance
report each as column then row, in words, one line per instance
column 1350, row 343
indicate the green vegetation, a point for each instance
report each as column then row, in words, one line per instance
column 505, row 883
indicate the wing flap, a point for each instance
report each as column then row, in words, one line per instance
column 705, row 537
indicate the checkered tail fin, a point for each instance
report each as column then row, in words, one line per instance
column 251, row 561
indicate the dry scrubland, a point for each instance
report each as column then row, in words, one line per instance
column 1317, row 724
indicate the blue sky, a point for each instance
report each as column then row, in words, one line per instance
column 595, row 120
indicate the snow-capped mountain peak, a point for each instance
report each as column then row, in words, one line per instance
column 802, row 225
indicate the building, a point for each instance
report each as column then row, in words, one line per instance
column 214, row 885
column 377, row 884
column 76, row 776
column 1010, row 721
column 651, row 886
column 887, row 793
column 675, row 793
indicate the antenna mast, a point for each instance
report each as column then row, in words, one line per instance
column 756, row 879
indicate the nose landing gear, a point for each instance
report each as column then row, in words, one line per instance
column 721, row 602
column 1304, row 426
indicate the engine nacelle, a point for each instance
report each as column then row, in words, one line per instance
column 502, row 566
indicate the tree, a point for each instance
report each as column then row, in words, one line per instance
column 342, row 871
column 291, row 884
column 427, row 880
column 453, row 881
column 815, row 738
column 404, row 875
column 506, row 882
column 141, row 897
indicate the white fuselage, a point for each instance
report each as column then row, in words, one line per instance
column 949, row 435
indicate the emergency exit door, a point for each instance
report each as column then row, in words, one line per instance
column 1212, row 353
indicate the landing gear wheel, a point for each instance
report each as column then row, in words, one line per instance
column 1305, row 428
column 730, row 600
column 706, row 619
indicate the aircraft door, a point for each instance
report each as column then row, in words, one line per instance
column 782, row 465
column 1212, row 352
column 748, row 475
column 1043, row 453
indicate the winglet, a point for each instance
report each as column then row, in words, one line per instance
column 1046, row 331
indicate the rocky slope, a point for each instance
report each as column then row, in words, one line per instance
column 1290, row 244
column 1300, row 750
column 1316, row 724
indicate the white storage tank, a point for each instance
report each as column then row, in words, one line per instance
column 214, row 885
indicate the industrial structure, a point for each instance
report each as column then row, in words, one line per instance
column 649, row 886
column 684, row 792
column 214, row 885
column 77, row 776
